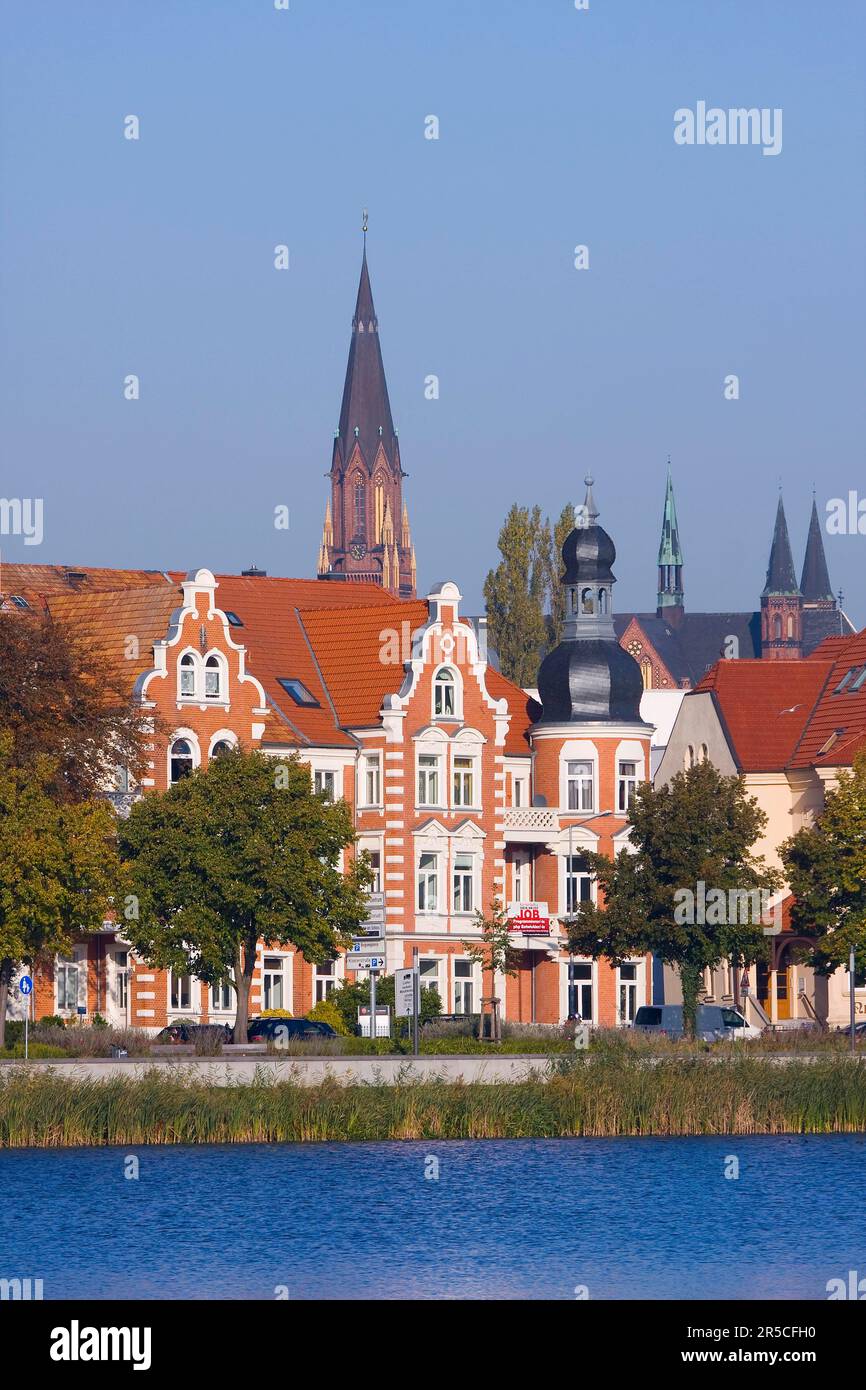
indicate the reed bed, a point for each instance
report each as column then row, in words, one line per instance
column 602, row 1097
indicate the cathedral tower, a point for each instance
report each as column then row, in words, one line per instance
column 366, row 535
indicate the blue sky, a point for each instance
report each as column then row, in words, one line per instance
column 261, row 127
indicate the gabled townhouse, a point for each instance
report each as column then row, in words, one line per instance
column 789, row 727
column 463, row 789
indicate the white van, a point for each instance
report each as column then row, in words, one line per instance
column 714, row 1023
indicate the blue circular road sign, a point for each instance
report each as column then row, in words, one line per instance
column 25, row 984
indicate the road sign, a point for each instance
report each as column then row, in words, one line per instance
column 365, row 962
column 404, row 992
column 25, row 984
column 376, row 944
column 383, row 1021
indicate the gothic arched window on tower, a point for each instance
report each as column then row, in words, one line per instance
column 602, row 601
column 790, row 624
column 379, row 503
column 777, row 626
column 360, row 507
column 587, row 601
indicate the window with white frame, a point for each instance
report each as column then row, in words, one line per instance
column 580, row 990
column 578, row 882
column 325, row 980
column 428, row 779
column 626, row 784
column 464, row 781
column 428, row 974
column 519, row 791
column 213, row 678
column 180, row 991
column 376, row 865
column 628, row 989
column 580, row 786
column 428, row 883
column 462, row 897
column 180, row 760
column 464, row 987
column 66, row 980
column 522, row 887
column 371, row 780
column 273, row 983
column 187, row 675
column 445, row 694
column 221, row 998
column 323, row 783
column 121, row 980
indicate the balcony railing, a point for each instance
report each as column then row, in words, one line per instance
column 540, row 820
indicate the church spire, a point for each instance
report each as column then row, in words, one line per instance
column 366, row 472
column 815, row 580
column 781, row 601
column 781, row 578
column 671, row 596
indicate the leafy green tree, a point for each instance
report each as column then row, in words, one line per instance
column 697, row 829
column 826, row 868
column 495, row 954
column 58, row 866
column 515, row 592
column 240, row 852
column 351, row 995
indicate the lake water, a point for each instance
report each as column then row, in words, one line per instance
column 533, row 1219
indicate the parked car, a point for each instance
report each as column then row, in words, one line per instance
column 277, row 1030
column 191, row 1032
column 713, row 1023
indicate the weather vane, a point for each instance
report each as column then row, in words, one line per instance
column 364, row 223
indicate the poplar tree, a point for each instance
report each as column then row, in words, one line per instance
column 515, row 592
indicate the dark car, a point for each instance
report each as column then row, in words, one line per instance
column 281, row 1030
column 193, row 1032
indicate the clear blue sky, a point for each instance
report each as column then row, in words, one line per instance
column 261, row 126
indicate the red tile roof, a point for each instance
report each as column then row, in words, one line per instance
column 842, row 715
column 764, row 706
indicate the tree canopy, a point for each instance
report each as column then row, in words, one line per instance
column 525, row 600
column 58, row 866
column 698, row 829
column 826, row 868
column 65, row 699
column 241, row 851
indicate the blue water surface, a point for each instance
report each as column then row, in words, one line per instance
column 524, row 1219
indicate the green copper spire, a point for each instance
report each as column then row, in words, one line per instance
column 670, row 591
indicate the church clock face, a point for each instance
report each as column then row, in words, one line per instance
column 358, row 550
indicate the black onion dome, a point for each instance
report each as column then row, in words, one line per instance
column 594, row 679
column 588, row 553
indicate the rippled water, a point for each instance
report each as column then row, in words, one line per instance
column 627, row 1218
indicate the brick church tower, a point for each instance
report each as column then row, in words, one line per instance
column 782, row 599
column 366, row 534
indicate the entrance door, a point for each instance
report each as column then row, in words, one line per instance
column 783, row 990
column 627, row 992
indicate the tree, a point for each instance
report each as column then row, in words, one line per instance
column 58, row 866
column 514, row 594
column 680, row 891
column 563, row 528
column 240, row 852
column 68, row 700
column 351, row 995
column 826, row 868
column 496, row 955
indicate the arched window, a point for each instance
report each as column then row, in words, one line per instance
column 646, row 671
column 572, row 600
column 379, row 502
column 181, row 761
column 187, row 674
column 777, row 626
column 587, row 604
column 705, row 753
column 213, row 683
column 602, row 601
column 221, row 748
column 790, row 624
column 689, row 759
column 360, row 506
column 444, row 693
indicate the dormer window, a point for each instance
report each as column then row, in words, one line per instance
column 187, row 675
column 444, row 694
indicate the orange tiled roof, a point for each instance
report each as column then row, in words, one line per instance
column 36, row 582
column 352, row 649
column 765, row 707
column 842, row 715
column 520, row 706
column 109, row 619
